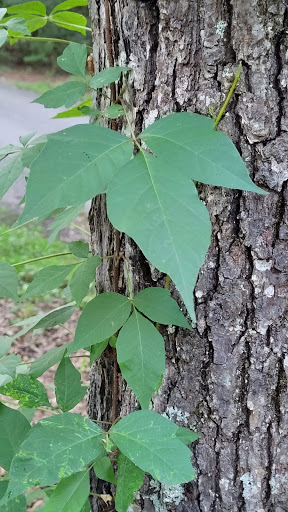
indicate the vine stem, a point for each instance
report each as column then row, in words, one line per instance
column 37, row 408
column 41, row 258
column 44, row 39
column 131, row 127
column 228, row 98
column 81, row 229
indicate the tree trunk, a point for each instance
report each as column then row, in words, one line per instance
column 228, row 378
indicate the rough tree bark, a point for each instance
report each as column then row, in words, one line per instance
column 228, row 378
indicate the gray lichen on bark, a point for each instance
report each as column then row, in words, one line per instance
column 229, row 376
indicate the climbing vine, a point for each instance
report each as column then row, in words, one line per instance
column 150, row 185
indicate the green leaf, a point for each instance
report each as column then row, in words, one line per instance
column 48, row 360
column 161, row 211
column 97, row 349
column 2, row 12
column 69, row 4
column 71, row 442
column 88, row 111
column 74, row 112
column 7, row 150
column 101, row 318
column 114, row 111
column 9, row 172
column 8, row 366
column 33, row 8
column 13, row 429
column 55, row 317
column 3, row 37
column 35, row 495
column 158, row 305
column 186, row 436
column 3, row 488
column 8, row 282
column 27, row 413
column 30, row 154
column 68, row 387
column 29, row 392
column 70, row 21
column 16, row 505
column 79, row 249
column 83, row 277
column 107, row 76
column 149, row 441
column 5, row 344
column 103, row 469
column 24, row 139
column 192, row 146
column 62, row 220
column 141, row 356
column 15, row 165
column 86, row 507
column 73, row 59
column 17, row 25
column 130, row 479
column 66, row 94
column 75, row 165
column 35, row 23
column 48, row 279
column 70, row 494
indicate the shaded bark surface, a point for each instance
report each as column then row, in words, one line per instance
column 228, row 378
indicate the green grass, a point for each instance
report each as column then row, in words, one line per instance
column 29, row 242
column 38, row 87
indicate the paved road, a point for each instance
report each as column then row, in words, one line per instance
column 18, row 116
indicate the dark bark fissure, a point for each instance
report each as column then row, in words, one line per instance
column 228, row 378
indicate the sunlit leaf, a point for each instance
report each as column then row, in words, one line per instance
column 70, row 21
column 17, row 25
column 35, row 23
column 69, row 4
column 29, row 392
column 35, row 8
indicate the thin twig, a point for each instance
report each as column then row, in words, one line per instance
column 229, row 95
